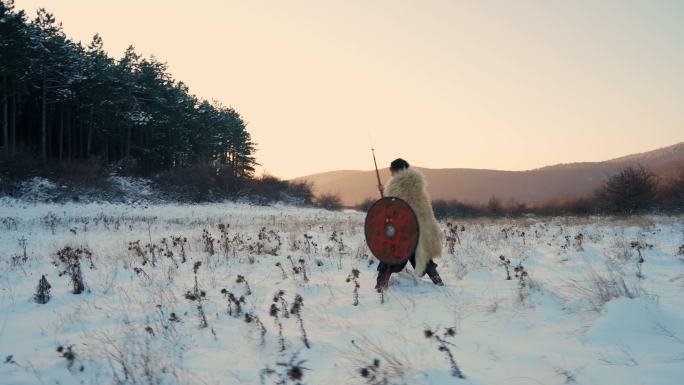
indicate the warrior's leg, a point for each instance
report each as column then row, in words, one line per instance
column 431, row 271
column 384, row 273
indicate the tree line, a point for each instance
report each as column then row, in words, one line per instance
column 633, row 190
column 61, row 101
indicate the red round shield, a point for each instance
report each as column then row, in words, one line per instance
column 391, row 230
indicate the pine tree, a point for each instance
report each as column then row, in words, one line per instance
column 72, row 102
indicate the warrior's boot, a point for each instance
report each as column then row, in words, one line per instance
column 434, row 276
column 383, row 279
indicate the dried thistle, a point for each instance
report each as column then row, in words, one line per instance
column 354, row 276
column 241, row 279
column 443, row 346
column 273, row 312
column 296, row 309
column 279, row 297
column 282, row 270
column 506, row 263
column 249, row 318
column 302, row 265
column 71, row 262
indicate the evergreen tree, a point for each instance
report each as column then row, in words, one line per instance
column 61, row 101
column 13, row 73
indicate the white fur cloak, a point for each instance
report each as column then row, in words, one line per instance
column 409, row 185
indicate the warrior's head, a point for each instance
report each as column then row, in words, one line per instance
column 398, row 165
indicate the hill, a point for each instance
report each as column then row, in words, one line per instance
column 478, row 185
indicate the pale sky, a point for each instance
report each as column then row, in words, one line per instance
column 508, row 85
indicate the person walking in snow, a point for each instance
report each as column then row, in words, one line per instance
column 409, row 185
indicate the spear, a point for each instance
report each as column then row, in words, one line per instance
column 377, row 174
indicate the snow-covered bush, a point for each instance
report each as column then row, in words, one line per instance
column 38, row 189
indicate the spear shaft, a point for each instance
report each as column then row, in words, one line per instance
column 377, row 174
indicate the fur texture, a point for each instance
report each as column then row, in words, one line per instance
column 409, row 185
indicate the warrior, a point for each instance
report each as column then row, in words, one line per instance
column 409, row 185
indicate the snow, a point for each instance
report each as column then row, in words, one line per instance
column 37, row 189
column 131, row 188
column 554, row 328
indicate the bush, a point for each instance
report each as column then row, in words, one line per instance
column 455, row 209
column 302, row 191
column 632, row 191
column 81, row 173
column 577, row 206
column 366, row 204
column 268, row 188
column 673, row 194
column 199, row 183
column 329, row 201
column 494, row 207
column 515, row 208
column 580, row 206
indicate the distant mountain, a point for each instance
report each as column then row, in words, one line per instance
column 477, row 186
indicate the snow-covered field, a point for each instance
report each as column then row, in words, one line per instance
column 585, row 311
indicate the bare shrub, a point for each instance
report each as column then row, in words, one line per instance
column 19, row 260
column 366, row 204
column 632, row 191
column 329, row 201
column 70, row 260
column 10, row 223
column 385, row 367
column 268, row 242
column 207, row 242
column 168, row 253
column 673, row 194
column 51, row 221
column 180, row 243
column 135, row 356
column 137, row 251
column 599, row 288
column 268, row 188
column 234, row 303
column 494, row 207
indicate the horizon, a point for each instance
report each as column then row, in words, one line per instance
column 484, row 83
column 491, row 169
